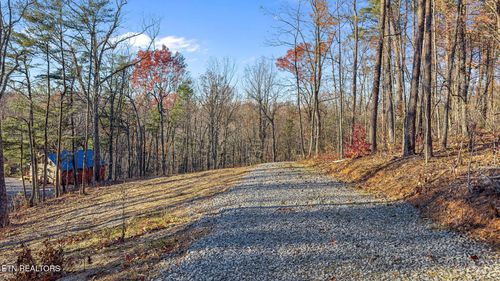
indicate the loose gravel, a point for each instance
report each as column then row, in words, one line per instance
column 284, row 222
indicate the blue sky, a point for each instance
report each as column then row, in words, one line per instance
column 201, row 29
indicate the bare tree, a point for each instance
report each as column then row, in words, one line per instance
column 322, row 23
column 388, row 78
column 25, row 70
column 354, row 65
column 464, row 79
column 62, row 61
column 217, row 94
column 261, row 85
column 448, row 84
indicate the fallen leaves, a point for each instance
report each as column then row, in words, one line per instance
column 474, row 257
column 439, row 193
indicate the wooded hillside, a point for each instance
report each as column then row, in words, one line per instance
column 358, row 78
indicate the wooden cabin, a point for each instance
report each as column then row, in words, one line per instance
column 66, row 167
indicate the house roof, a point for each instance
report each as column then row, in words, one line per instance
column 67, row 159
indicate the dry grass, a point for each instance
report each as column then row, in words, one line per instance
column 157, row 213
column 439, row 188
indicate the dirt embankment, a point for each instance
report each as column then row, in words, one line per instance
column 458, row 189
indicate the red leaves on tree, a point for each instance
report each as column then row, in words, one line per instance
column 359, row 146
column 321, row 14
column 159, row 73
column 304, row 56
column 296, row 61
column 294, row 57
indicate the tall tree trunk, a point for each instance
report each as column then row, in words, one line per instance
column 112, row 126
column 143, row 158
column 262, row 133
column 162, row 139
column 318, row 124
column 341, row 91
column 274, row 140
column 34, row 177
column 157, row 154
column 215, row 147
column 402, row 48
column 85, row 166
column 129, row 153
column 31, row 136
column 388, row 83
column 482, row 52
column 138, row 151
column 450, row 65
column 376, row 75
column 95, row 116
column 384, row 105
column 489, row 84
column 354, row 68
column 46, row 129
column 420, row 115
column 301, row 127
column 97, row 143
column 118, row 152
column 210, row 143
column 61, row 105
column 4, row 200
column 111, row 135
column 86, row 148
column 427, row 80
column 435, row 93
column 410, row 126
column 96, row 90
column 318, row 68
column 73, row 137
column 59, row 148
column 464, row 80
column 313, row 126
column 399, row 71
column 21, row 164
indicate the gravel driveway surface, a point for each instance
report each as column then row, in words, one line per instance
column 15, row 186
column 284, row 222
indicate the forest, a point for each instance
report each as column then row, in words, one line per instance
column 359, row 141
column 359, row 78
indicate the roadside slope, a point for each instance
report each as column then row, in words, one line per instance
column 440, row 189
column 155, row 213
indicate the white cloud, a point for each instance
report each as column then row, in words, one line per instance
column 174, row 43
column 178, row 43
column 139, row 41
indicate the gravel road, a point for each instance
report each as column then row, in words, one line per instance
column 15, row 186
column 284, row 222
